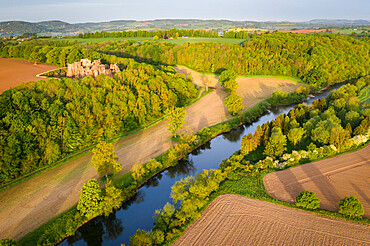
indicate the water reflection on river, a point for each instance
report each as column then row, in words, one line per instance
column 138, row 212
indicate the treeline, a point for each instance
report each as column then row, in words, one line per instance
column 42, row 122
column 239, row 35
column 58, row 55
column 175, row 33
column 190, row 195
column 316, row 59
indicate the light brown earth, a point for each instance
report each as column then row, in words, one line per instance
column 15, row 71
column 331, row 179
column 238, row 220
column 28, row 205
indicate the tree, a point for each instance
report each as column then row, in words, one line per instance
column 276, row 144
column 338, row 136
column 141, row 238
column 34, row 57
column 234, row 103
column 351, row 207
column 89, row 204
column 228, row 80
column 8, row 242
column 307, row 199
column 176, row 120
column 112, row 199
column 295, row 135
column 105, row 160
column 227, row 75
column 231, row 86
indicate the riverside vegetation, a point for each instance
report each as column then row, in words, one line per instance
column 330, row 127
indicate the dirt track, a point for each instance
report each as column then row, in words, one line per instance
column 238, row 220
column 15, row 71
column 331, row 179
column 26, row 206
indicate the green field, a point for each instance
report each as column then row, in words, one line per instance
column 348, row 31
column 180, row 41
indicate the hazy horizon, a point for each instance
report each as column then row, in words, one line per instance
column 82, row 11
column 158, row 19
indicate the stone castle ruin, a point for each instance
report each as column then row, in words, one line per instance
column 87, row 68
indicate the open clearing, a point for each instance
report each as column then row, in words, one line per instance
column 15, row 71
column 30, row 204
column 239, row 220
column 331, row 179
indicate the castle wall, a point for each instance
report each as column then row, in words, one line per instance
column 85, row 68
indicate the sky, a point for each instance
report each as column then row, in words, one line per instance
column 77, row 11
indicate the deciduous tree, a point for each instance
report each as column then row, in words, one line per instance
column 89, row 204
column 234, row 103
column 276, row 144
column 307, row 199
column 176, row 120
column 351, row 206
column 105, row 160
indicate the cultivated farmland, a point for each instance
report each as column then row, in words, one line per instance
column 15, row 71
column 238, row 220
column 331, row 179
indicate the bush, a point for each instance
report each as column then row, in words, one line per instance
column 308, row 200
column 351, row 206
column 8, row 242
column 141, row 238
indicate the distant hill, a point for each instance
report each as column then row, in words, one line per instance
column 56, row 27
column 339, row 22
column 45, row 27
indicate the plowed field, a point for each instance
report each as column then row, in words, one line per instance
column 15, row 71
column 331, row 179
column 238, row 220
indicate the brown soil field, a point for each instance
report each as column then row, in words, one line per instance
column 331, row 179
column 199, row 78
column 239, row 220
column 30, row 204
column 16, row 71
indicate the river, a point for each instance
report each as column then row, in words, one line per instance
column 138, row 212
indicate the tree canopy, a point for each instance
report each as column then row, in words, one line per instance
column 105, row 160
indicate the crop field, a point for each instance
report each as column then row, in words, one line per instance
column 16, row 71
column 239, row 220
column 331, row 179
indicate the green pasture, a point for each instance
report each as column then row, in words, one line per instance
column 348, row 31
